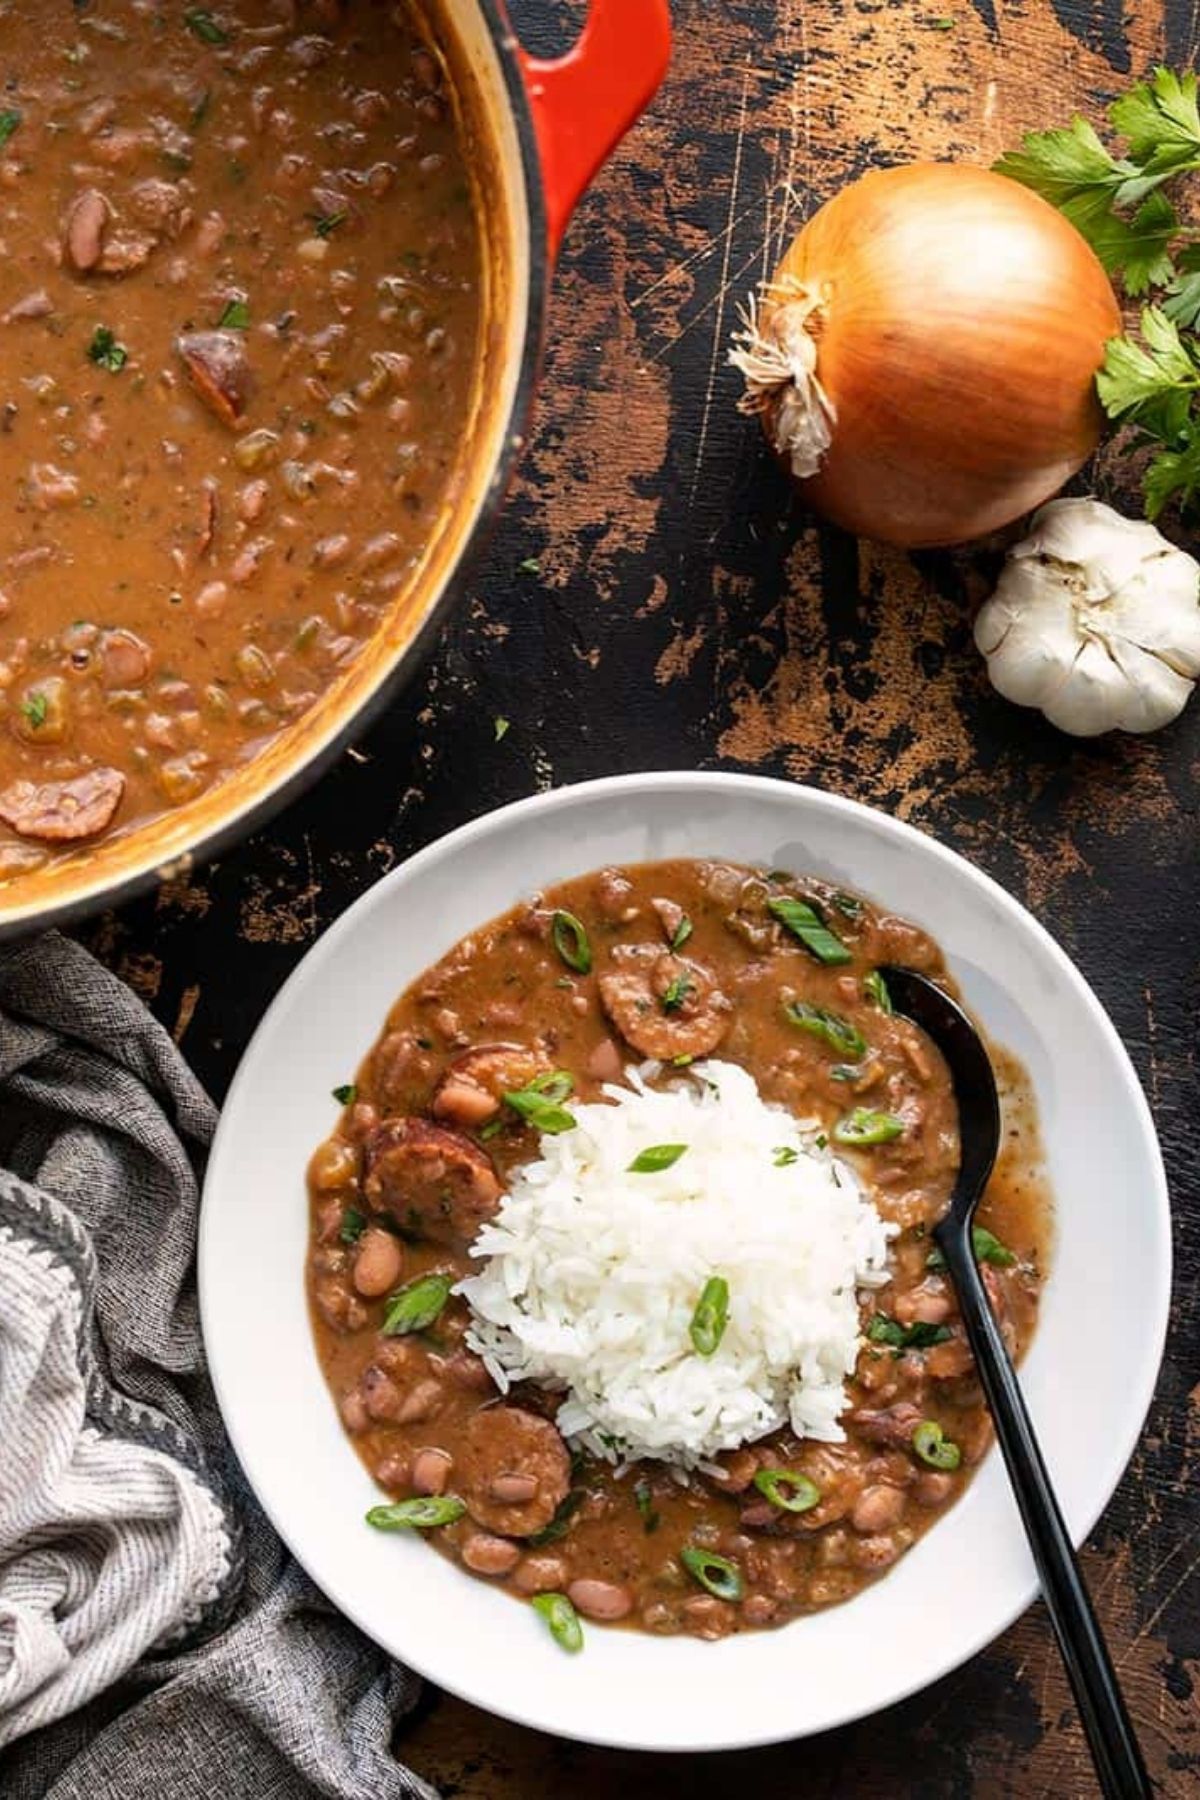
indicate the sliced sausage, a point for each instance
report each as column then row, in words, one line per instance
column 59, row 812
column 502, row 1441
column 472, row 1090
column 435, row 1183
column 219, row 370
column 665, row 1006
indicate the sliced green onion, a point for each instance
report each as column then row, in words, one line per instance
column 715, row 1573
column 353, row 1225
column 325, row 224
column 683, row 932
column 236, row 317
column 934, row 1447
column 416, row 1305
column 562, row 1620
column 918, row 1336
column 346, row 1095
column 987, row 1248
column 645, row 1504
column 679, row 989
column 845, row 1072
column 803, row 921
column 656, row 1158
column 571, row 942
column 540, row 1103
column 865, row 1127
column 876, row 989
column 424, row 1513
column 788, row 1489
column 560, row 1524
column 830, row 1027
column 849, row 905
column 785, row 1156
column 710, row 1317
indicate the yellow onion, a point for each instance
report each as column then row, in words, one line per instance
column 924, row 355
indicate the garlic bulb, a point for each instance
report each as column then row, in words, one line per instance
column 1096, row 620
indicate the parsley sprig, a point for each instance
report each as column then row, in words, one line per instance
column 1119, row 205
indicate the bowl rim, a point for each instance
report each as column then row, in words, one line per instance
column 1151, row 1341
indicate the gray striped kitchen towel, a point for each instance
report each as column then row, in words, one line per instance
column 156, row 1642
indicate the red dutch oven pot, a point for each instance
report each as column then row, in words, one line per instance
column 536, row 131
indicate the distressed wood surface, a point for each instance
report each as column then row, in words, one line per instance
column 684, row 611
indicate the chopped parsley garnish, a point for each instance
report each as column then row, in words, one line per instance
column 353, row 1225
column 35, row 709
column 105, row 351
column 678, row 990
column 683, row 932
column 560, row 1524
column 785, row 1156
column 236, row 317
column 9, row 121
column 987, row 1248
column 202, row 25
column 500, row 726
column 919, row 1336
column 346, row 1095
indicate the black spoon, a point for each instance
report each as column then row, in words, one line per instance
column 1106, row 1721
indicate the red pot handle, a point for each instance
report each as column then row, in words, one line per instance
column 583, row 103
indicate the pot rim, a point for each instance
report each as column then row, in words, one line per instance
column 33, row 917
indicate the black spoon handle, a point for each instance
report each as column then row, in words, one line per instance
column 1098, row 1696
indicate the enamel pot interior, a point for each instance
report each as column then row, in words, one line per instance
column 501, row 152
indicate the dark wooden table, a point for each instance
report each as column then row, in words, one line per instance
column 655, row 599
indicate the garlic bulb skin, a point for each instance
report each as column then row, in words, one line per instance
column 1095, row 620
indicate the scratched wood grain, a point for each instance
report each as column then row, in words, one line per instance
column 685, row 611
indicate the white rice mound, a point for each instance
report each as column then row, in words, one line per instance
column 591, row 1273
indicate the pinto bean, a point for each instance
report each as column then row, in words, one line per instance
column 431, row 1471
column 124, row 659
column 466, row 1370
column 933, row 1488
column 488, row 1555
column 540, row 1574
column 602, row 1600
column 759, row 1609
column 59, row 812
column 877, row 1509
column 605, row 1062
column 872, row 1554
column 504, row 1440
column 670, row 917
column 381, row 1396
column 378, row 1264
column 354, row 1414
column 339, row 1308
column 892, row 1426
column 84, row 228
column 664, row 1006
column 928, row 1304
column 706, row 1617
column 421, row 1403
column 433, row 1181
column 513, row 1490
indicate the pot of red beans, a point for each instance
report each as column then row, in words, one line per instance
column 272, row 300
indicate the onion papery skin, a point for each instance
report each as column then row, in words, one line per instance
column 960, row 325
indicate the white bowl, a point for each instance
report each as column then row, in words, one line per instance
column 1088, row 1384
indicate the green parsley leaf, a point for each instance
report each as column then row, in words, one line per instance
column 920, row 1336
column 35, row 709
column 353, row 1225
column 347, row 1095
column 987, row 1248
column 644, row 1501
column 236, row 317
column 501, row 727
column 1160, row 119
column 678, row 991
column 657, row 1158
column 9, row 121
column 1152, row 386
column 1172, row 475
column 105, row 351
column 202, row 25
